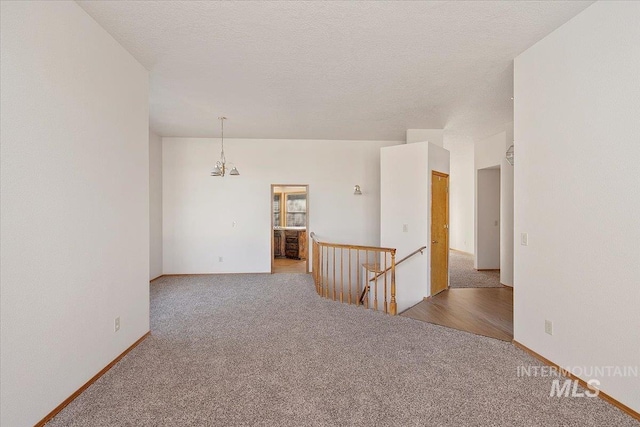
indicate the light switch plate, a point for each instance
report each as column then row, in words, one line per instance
column 405, row 228
column 524, row 239
column 548, row 327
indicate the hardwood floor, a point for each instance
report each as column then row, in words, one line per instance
column 482, row 311
column 286, row 265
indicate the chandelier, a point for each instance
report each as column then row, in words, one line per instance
column 221, row 165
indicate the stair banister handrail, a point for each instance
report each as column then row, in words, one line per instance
column 330, row 261
column 398, row 262
column 366, row 288
column 345, row 246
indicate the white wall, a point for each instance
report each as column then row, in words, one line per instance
column 434, row 136
column 199, row 210
column 506, row 212
column 506, row 223
column 155, row 205
column 405, row 196
column 462, row 197
column 577, row 194
column 488, row 220
column 404, row 199
column 75, row 204
column 490, row 151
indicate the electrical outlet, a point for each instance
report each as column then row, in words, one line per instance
column 524, row 239
column 220, row 259
column 405, row 228
column 548, row 327
column 116, row 324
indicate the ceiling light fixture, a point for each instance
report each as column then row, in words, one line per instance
column 221, row 165
column 509, row 155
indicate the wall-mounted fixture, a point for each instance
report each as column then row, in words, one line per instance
column 221, row 165
column 509, row 155
column 357, row 191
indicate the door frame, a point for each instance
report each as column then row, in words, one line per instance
column 446, row 176
column 273, row 186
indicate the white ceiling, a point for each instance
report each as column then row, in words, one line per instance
column 330, row 70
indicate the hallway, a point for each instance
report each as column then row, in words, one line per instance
column 462, row 273
column 475, row 302
column 481, row 311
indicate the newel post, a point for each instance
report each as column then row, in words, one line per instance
column 393, row 307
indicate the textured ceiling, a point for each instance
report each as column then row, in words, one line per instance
column 329, row 70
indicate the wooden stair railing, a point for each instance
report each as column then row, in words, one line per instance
column 366, row 288
column 341, row 272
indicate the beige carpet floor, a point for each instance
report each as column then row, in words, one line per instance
column 265, row 350
column 462, row 274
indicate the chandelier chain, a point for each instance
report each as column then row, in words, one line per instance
column 222, row 119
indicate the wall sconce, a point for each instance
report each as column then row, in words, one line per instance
column 357, row 191
column 509, row 155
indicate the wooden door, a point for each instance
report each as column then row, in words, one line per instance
column 439, row 232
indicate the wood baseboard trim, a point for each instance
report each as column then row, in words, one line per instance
column 156, row 278
column 624, row 408
column 77, row 393
column 211, row 274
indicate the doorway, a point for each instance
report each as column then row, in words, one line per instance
column 289, row 210
column 439, row 232
column 487, row 253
